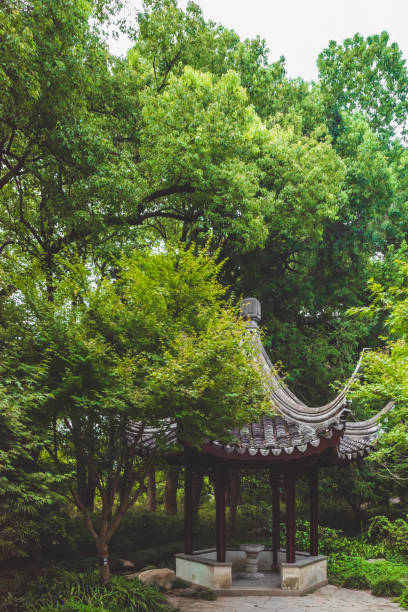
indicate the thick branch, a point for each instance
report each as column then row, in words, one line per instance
column 86, row 514
column 14, row 170
column 5, row 244
column 11, row 173
column 169, row 67
column 161, row 193
column 78, row 234
column 155, row 195
column 77, row 442
column 10, row 142
column 22, row 218
column 127, row 500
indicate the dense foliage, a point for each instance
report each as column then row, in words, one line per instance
column 72, row 592
column 385, row 372
column 194, row 133
column 156, row 345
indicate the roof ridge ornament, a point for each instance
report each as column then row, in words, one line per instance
column 251, row 311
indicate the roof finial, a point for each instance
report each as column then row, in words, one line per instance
column 251, row 311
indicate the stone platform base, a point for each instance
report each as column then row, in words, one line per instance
column 266, row 591
column 304, row 576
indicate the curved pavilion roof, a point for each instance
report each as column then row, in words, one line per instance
column 359, row 437
column 297, row 430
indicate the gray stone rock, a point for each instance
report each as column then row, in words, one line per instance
column 163, row 577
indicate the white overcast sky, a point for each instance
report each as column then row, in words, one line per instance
column 300, row 29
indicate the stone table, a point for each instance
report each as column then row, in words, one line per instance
column 251, row 562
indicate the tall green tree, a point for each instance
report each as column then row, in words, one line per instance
column 385, row 371
column 28, row 482
column 155, row 345
column 368, row 76
column 93, row 147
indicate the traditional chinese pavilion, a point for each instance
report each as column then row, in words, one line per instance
column 298, row 441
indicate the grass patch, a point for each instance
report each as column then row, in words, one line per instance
column 403, row 600
column 385, row 578
column 356, row 581
column 341, row 565
column 388, row 588
column 64, row 591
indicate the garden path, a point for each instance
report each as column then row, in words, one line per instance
column 326, row 599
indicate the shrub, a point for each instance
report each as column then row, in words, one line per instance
column 142, row 529
column 159, row 556
column 179, row 583
column 388, row 588
column 67, row 591
column 10, row 603
column 206, row 594
column 403, row 600
column 72, row 606
column 393, row 534
column 61, row 535
column 147, row 558
column 334, row 541
column 341, row 565
column 356, row 581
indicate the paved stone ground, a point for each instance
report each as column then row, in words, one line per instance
column 326, row 599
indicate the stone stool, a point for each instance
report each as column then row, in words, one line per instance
column 251, row 562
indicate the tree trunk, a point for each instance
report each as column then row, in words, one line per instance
column 360, row 514
column 170, row 491
column 103, row 559
column 151, row 503
column 91, row 490
column 234, row 495
column 49, row 279
column 197, row 487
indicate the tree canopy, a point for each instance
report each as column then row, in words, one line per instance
column 385, row 373
column 156, row 344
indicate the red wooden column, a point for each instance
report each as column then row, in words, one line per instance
column 275, row 482
column 314, row 512
column 188, row 503
column 220, row 510
column 290, row 488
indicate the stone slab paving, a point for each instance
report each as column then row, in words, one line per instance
column 326, row 599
